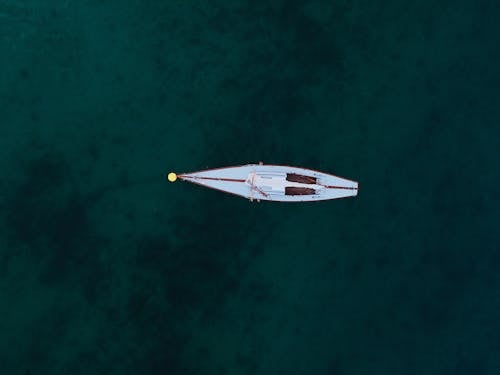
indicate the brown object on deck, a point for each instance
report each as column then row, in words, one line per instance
column 292, row 190
column 294, row 177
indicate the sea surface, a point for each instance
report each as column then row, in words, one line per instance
column 107, row 268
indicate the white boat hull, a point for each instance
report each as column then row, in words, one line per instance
column 272, row 183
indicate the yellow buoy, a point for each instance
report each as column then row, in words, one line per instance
column 172, row 177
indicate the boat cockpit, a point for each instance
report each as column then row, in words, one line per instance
column 294, row 190
column 294, row 177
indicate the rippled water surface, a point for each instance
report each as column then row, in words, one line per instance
column 105, row 268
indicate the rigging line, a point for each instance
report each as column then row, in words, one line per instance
column 212, row 178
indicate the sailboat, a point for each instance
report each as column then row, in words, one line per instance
column 270, row 182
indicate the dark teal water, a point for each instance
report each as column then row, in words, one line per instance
column 105, row 268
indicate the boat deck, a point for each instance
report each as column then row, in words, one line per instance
column 275, row 183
